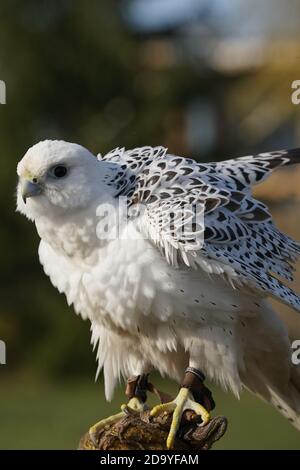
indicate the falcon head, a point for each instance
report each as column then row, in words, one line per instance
column 56, row 176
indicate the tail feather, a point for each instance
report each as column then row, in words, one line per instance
column 288, row 404
column 286, row 399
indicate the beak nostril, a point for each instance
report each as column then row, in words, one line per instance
column 30, row 188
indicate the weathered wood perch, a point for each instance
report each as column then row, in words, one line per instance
column 139, row 431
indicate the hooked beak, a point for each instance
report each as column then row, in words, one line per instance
column 29, row 189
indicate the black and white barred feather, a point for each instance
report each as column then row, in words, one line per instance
column 223, row 223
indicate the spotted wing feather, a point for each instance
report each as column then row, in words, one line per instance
column 244, row 172
column 204, row 213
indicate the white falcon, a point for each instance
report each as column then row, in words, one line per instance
column 172, row 262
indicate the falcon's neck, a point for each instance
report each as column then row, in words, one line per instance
column 80, row 233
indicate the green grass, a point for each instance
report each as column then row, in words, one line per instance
column 55, row 416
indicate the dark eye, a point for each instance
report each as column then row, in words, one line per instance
column 59, row 171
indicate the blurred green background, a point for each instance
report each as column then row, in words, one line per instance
column 210, row 79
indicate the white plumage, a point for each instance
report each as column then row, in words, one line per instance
column 166, row 295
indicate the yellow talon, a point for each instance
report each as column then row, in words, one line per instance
column 163, row 407
column 134, row 404
column 96, row 428
column 184, row 401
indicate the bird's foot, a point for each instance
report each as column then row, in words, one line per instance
column 184, row 401
column 135, row 405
